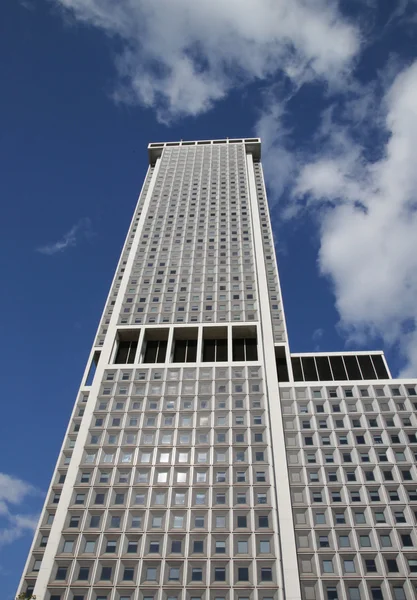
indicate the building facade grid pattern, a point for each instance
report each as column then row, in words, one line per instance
column 188, row 471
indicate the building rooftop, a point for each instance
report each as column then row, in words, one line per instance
column 252, row 145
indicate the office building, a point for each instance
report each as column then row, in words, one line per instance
column 203, row 460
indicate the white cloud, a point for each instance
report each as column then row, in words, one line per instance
column 278, row 162
column 368, row 220
column 180, row 57
column 13, row 493
column 69, row 239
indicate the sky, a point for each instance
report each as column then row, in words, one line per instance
column 331, row 87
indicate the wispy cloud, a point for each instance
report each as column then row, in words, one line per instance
column 80, row 230
column 28, row 4
column 13, row 493
column 317, row 337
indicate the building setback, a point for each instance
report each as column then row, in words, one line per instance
column 203, row 460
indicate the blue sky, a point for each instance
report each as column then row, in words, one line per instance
column 331, row 88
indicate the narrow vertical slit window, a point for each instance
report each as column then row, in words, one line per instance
column 93, row 368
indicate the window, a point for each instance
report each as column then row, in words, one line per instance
column 68, row 546
column 242, row 547
column 370, row 565
column 266, row 574
column 197, row 574
column 392, row 565
column 349, row 566
column 332, row 593
column 36, row 565
column 151, row 573
column 174, row 574
column 399, row 593
column 83, row 574
column 327, row 566
column 61, row 573
column 406, row 540
column 263, row 521
column 241, row 521
column 95, row 521
column 379, row 517
column 412, row 565
column 111, row 546
column 105, row 573
column 199, row 522
column 74, row 521
column 365, row 541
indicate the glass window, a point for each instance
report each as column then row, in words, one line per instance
column 197, row 574
column 106, row 573
column 349, row 566
column 327, row 566
column 266, row 574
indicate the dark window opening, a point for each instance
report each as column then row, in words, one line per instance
column 127, row 347
column 379, row 365
column 296, row 368
column 281, row 363
column 338, row 368
column 215, row 344
column 185, row 351
column 366, row 366
column 323, row 368
column 352, row 367
column 245, row 344
column 185, row 345
column 309, row 368
column 126, row 353
column 155, row 346
column 93, row 368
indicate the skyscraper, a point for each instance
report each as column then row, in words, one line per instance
column 203, row 460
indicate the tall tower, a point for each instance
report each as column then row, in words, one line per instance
column 202, row 460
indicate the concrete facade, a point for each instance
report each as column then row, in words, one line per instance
column 202, row 460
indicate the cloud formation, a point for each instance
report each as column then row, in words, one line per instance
column 13, row 493
column 180, row 57
column 358, row 178
column 367, row 210
column 69, row 239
